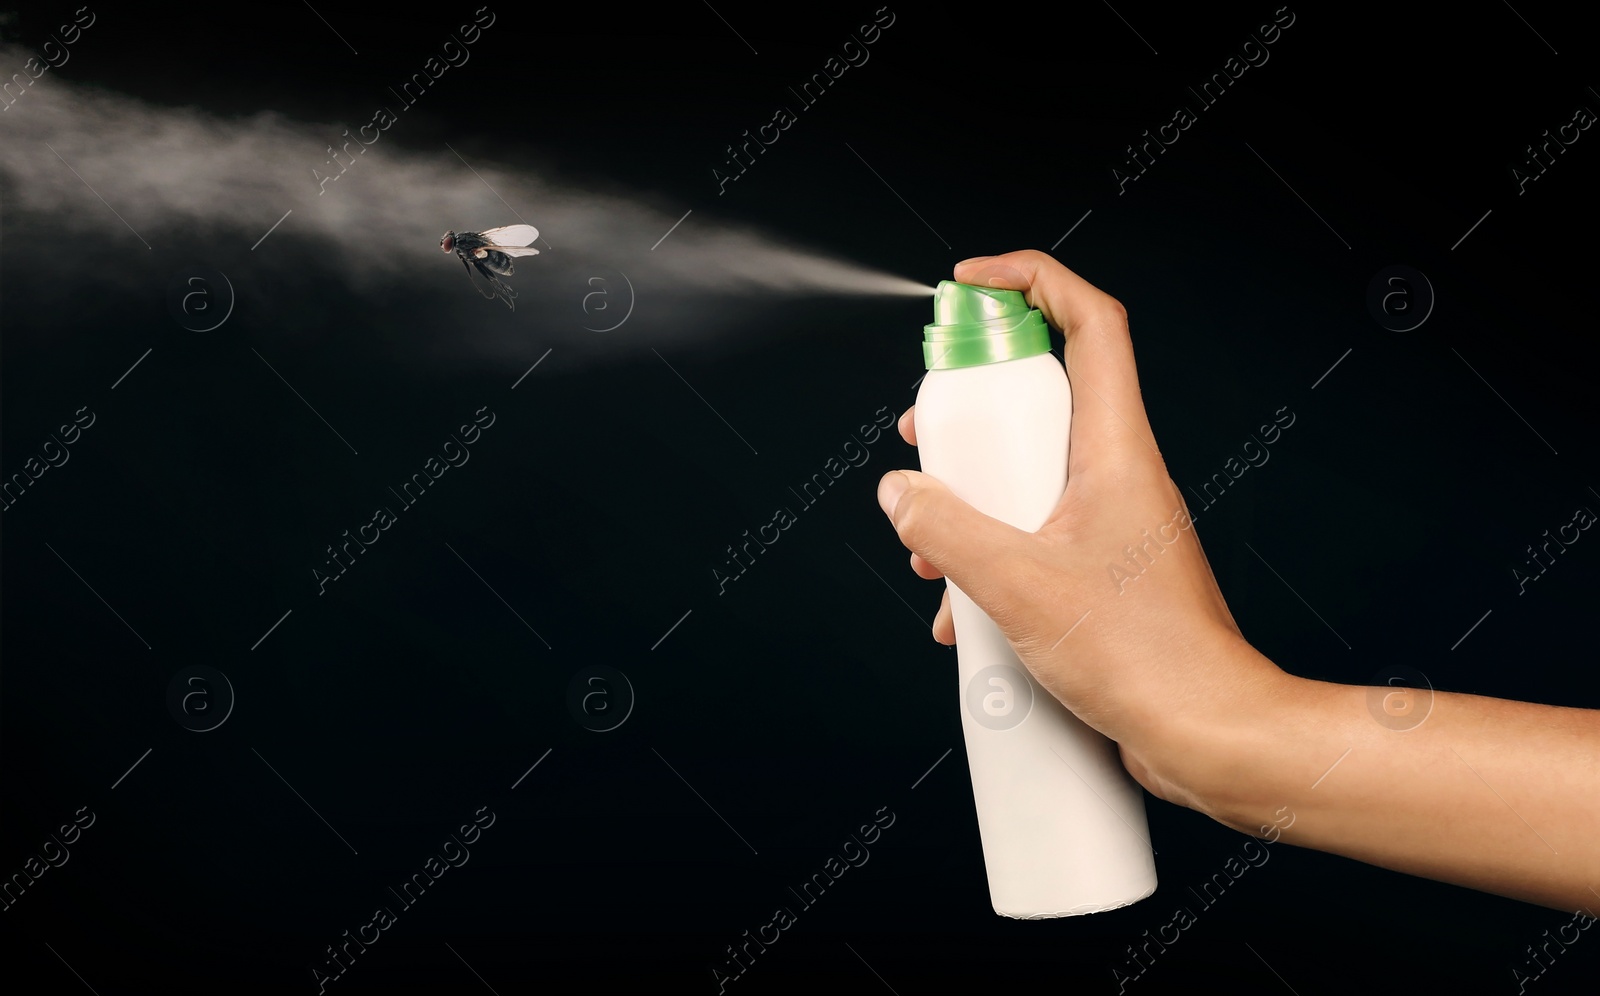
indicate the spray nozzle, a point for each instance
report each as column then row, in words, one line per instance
column 962, row 304
column 975, row 325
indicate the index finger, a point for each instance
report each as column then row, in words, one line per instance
column 1099, row 351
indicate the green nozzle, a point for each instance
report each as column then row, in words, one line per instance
column 975, row 325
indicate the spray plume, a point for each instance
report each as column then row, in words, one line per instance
column 176, row 175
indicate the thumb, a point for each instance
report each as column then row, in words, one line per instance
column 993, row 562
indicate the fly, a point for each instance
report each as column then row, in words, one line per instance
column 490, row 253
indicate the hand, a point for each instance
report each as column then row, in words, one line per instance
column 1111, row 604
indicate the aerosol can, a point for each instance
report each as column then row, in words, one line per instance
column 1063, row 823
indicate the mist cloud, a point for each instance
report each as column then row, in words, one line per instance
column 177, row 175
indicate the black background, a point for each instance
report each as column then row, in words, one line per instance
column 779, row 716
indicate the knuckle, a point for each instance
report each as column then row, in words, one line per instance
column 1112, row 311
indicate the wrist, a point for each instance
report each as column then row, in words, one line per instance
column 1220, row 757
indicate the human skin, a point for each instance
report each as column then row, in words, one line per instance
column 1492, row 794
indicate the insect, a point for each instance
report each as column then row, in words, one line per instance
column 490, row 253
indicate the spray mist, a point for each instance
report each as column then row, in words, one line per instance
column 1062, row 822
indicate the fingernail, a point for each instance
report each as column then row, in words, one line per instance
column 890, row 489
column 974, row 259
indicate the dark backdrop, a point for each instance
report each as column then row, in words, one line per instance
column 766, row 722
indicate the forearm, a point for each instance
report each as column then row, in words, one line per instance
column 1491, row 794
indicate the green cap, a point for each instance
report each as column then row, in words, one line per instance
column 975, row 325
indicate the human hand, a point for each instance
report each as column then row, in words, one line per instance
column 1111, row 603
column 1113, row 608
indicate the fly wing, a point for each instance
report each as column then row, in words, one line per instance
column 511, row 235
column 514, row 250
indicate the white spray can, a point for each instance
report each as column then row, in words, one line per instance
column 1062, row 822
